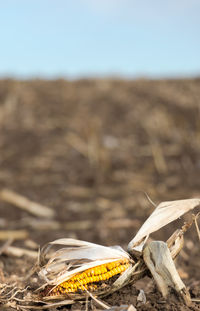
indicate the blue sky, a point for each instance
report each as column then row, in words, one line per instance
column 77, row 38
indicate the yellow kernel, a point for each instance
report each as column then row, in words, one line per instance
column 95, row 279
column 109, row 266
column 103, row 277
column 104, row 270
column 88, row 273
column 92, row 275
column 98, row 278
column 98, row 271
column 108, row 275
column 115, row 271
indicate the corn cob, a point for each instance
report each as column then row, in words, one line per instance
column 86, row 279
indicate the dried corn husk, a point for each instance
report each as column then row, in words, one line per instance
column 164, row 213
column 76, row 256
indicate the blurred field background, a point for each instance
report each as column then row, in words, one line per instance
column 90, row 149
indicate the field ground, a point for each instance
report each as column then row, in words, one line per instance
column 90, row 149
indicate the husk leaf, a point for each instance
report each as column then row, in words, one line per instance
column 164, row 213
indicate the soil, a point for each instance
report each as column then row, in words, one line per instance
column 90, row 150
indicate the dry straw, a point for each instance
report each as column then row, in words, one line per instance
column 77, row 267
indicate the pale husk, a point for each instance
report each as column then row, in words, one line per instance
column 75, row 256
column 164, row 213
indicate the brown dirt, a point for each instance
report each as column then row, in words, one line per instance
column 90, row 149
